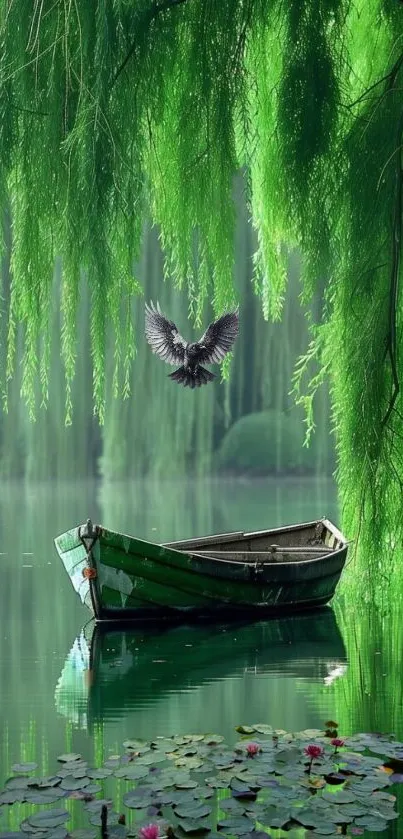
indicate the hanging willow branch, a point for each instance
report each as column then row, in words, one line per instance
column 389, row 78
column 149, row 16
column 395, row 273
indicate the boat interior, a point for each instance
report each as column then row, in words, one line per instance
column 297, row 543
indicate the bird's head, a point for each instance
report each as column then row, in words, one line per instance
column 194, row 349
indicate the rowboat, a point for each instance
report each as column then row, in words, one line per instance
column 122, row 578
column 112, row 670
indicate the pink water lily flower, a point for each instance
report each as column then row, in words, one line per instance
column 252, row 749
column 313, row 751
column 150, row 831
column 337, row 742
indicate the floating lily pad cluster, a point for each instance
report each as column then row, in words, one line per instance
column 196, row 784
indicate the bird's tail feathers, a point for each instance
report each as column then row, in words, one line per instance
column 192, row 379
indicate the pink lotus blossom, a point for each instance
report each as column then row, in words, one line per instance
column 151, row 831
column 313, row 751
column 252, row 749
column 337, row 741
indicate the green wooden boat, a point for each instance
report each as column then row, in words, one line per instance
column 121, row 578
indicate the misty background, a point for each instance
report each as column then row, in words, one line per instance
column 247, row 426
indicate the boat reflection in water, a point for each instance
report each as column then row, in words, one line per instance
column 111, row 670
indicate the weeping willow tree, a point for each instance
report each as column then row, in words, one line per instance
column 112, row 112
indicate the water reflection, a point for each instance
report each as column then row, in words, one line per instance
column 117, row 672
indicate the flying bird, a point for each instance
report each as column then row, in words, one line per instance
column 166, row 342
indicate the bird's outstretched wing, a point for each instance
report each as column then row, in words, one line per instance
column 163, row 336
column 219, row 338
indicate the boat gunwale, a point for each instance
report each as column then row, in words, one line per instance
column 231, row 534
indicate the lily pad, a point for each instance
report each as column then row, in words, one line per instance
column 326, row 829
column 132, row 773
column 354, row 810
column 151, row 758
column 18, row 783
column 245, row 729
column 160, row 782
column 194, row 826
column 194, row 812
column 83, row 833
column 24, row 767
column 99, row 774
column 49, row 818
column 185, row 783
column 237, row 825
column 138, row 799
column 261, row 728
column 71, row 783
column 339, row 797
column 44, row 796
column 189, row 762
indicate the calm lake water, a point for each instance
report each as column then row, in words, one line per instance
column 343, row 663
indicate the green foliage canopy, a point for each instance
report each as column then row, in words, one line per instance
column 119, row 110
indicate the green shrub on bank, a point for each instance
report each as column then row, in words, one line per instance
column 271, row 442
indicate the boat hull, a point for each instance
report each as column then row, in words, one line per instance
column 121, row 578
